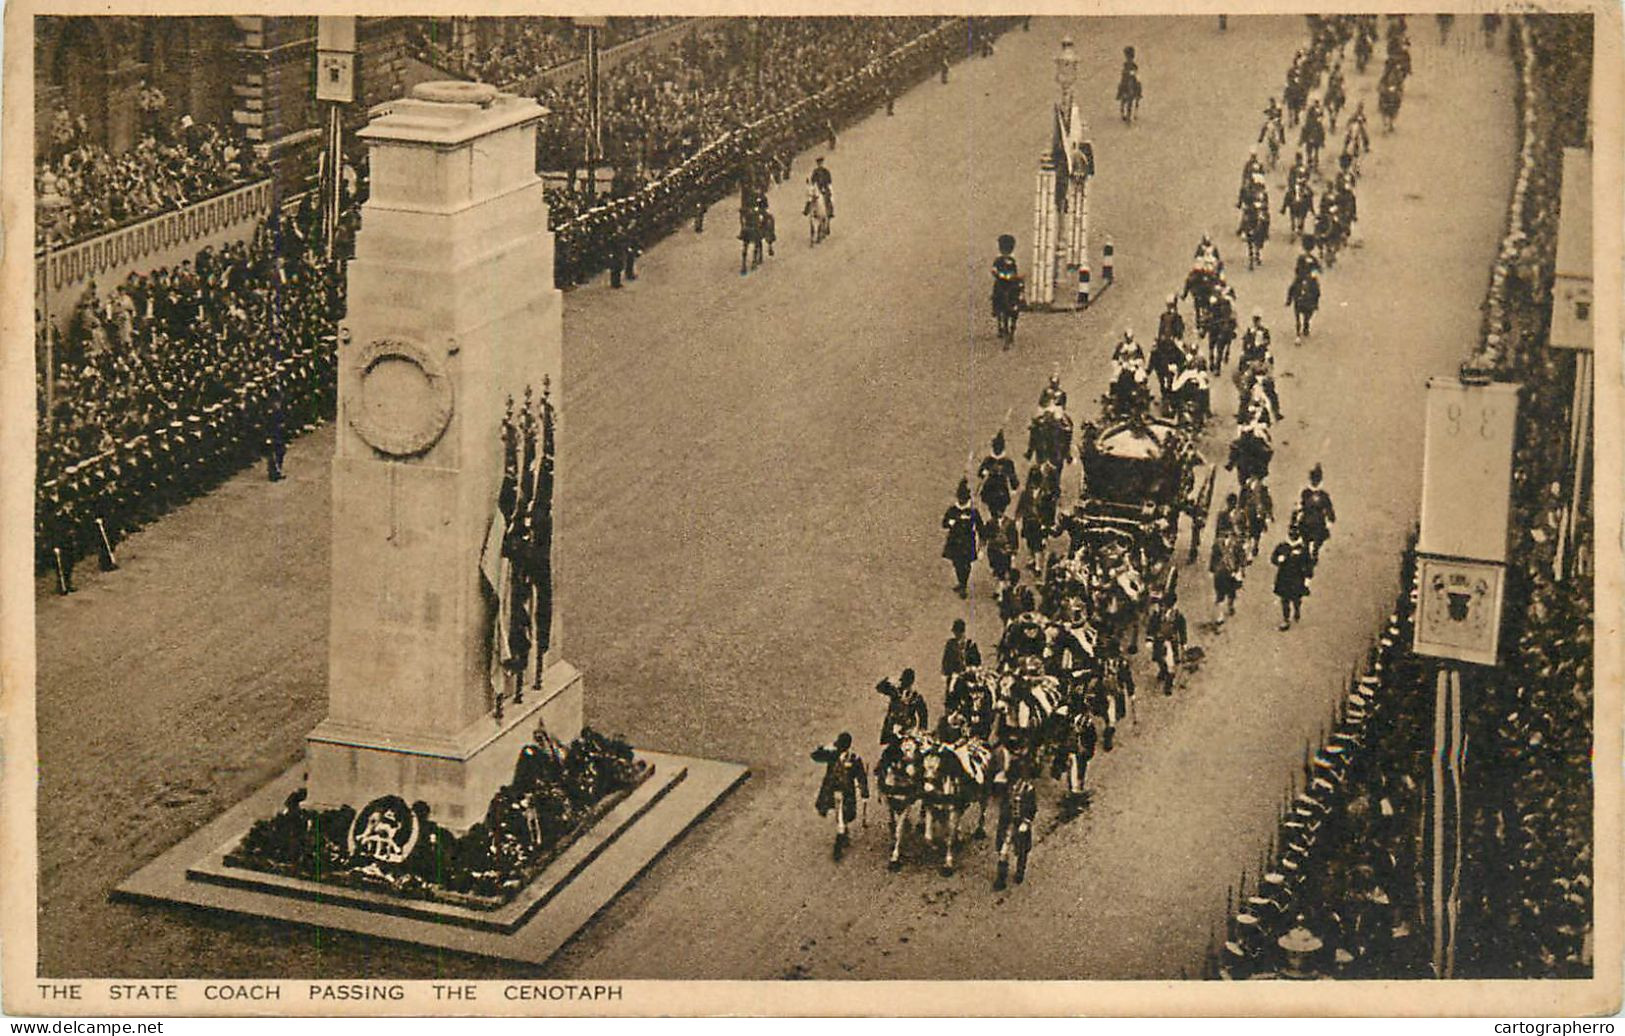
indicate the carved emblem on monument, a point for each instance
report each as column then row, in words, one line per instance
column 385, row 831
column 403, row 399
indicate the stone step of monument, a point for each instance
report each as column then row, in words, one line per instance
column 572, row 890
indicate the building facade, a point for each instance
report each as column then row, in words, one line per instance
column 254, row 72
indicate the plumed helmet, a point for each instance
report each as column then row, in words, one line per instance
column 1007, row 242
column 1316, row 473
column 963, row 492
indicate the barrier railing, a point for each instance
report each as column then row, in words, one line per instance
column 160, row 240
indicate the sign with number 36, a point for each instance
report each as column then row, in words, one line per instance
column 1467, row 469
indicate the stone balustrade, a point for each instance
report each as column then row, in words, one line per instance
column 162, row 240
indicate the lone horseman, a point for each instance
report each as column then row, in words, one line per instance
column 1007, row 289
column 817, row 213
column 821, row 179
column 1303, row 295
column 1128, row 86
column 845, row 781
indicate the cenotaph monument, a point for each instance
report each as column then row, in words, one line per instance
column 453, row 319
column 430, row 806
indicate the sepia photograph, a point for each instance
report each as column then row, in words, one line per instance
column 1127, row 543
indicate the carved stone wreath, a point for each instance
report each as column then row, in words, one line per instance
column 403, row 398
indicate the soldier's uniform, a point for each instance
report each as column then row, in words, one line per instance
column 1316, row 514
column 906, row 710
column 958, row 654
column 965, row 529
column 846, row 779
column 999, row 481
column 1293, row 567
column 1018, row 811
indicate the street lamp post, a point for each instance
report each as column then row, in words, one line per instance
column 48, row 205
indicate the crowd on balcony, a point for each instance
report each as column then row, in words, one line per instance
column 505, row 51
column 174, row 163
column 1345, row 895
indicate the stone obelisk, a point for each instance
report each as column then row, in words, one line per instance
column 453, row 317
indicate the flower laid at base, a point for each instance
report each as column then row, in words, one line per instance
column 388, row 846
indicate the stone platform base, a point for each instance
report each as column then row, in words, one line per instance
column 584, row 879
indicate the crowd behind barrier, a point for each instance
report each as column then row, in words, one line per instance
column 692, row 112
column 171, row 167
column 508, row 51
column 1343, row 889
column 176, row 379
column 170, row 381
column 65, row 272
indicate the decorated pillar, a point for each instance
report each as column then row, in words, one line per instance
column 445, row 649
column 1041, row 281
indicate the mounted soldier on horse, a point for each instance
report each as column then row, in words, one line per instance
column 1128, row 86
column 1007, row 290
column 1303, row 295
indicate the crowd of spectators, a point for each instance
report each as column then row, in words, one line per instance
column 709, row 133
column 172, row 379
column 507, row 51
column 174, row 164
column 661, row 104
column 175, row 377
column 1346, row 893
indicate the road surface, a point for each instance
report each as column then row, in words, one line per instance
column 754, row 470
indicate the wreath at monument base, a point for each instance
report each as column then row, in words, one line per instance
column 555, row 796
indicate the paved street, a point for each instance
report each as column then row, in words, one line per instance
column 754, row 470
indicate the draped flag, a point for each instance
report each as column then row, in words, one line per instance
column 516, row 561
column 1063, row 161
column 541, row 571
column 495, row 567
